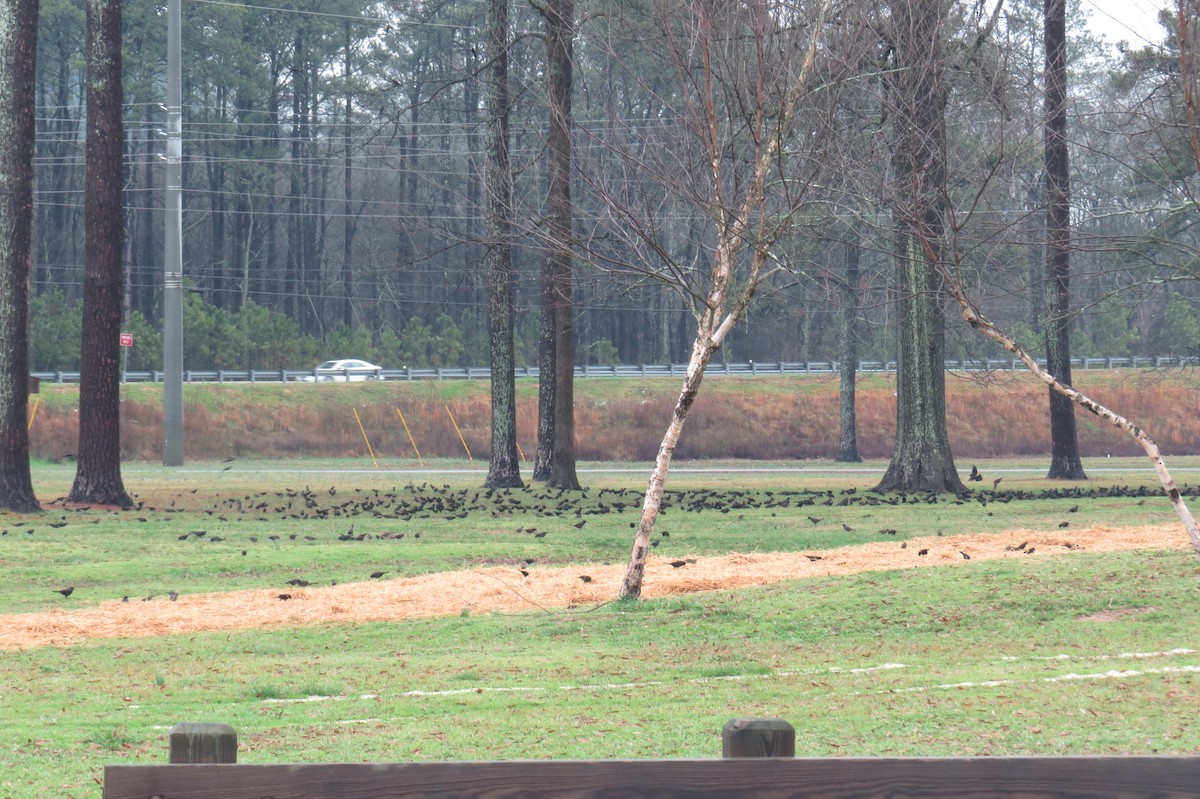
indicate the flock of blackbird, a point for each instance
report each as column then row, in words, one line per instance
column 560, row 510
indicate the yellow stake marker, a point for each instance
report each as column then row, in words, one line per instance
column 33, row 413
column 460, row 435
column 364, row 435
column 410, row 437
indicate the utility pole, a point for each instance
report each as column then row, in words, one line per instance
column 173, row 260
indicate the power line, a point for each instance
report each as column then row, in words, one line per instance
column 351, row 17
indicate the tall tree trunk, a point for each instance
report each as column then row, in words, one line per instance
column 145, row 285
column 243, row 223
column 1035, row 230
column 98, row 473
column 547, row 352
column 1064, row 443
column 349, row 226
column 847, row 450
column 921, row 458
column 18, row 50
column 504, row 468
column 294, row 281
column 560, row 27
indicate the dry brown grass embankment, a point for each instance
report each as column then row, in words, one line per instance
column 764, row 418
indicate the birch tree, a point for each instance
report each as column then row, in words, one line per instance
column 951, row 268
column 744, row 102
column 976, row 320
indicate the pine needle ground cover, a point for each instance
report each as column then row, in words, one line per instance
column 1070, row 650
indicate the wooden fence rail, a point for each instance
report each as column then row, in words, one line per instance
column 745, row 772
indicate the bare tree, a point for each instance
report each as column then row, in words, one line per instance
column 18, row 50
column 98, row 471
column 744, row 76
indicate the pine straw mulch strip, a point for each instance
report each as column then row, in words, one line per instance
column 506, row 590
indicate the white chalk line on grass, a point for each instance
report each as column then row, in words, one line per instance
column 1104, row 675
column 832, row 670
column 1121, row 656
column 420, row 693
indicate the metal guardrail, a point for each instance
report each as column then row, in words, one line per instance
column 749, row 368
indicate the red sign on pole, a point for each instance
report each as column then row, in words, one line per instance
column 126, row 339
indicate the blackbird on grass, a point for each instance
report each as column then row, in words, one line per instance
column 70, row 589
column 374, row 575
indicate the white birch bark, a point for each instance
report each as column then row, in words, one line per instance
column 977, row 321
column 720, row 314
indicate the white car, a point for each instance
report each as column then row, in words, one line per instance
column 344, row 370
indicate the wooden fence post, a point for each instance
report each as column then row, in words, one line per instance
column 758, row 738
column 202, row 742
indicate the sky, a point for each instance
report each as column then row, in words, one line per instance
column 1135, row 21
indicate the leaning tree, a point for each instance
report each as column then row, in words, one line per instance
column 741, row 95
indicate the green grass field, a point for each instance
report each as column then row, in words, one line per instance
column 1084, row 653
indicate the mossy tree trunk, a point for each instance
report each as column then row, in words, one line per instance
column 504, row 467
column 98, row 473
column 916, row 91
column 18, row 48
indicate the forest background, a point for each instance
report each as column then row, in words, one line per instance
column 332, row 175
